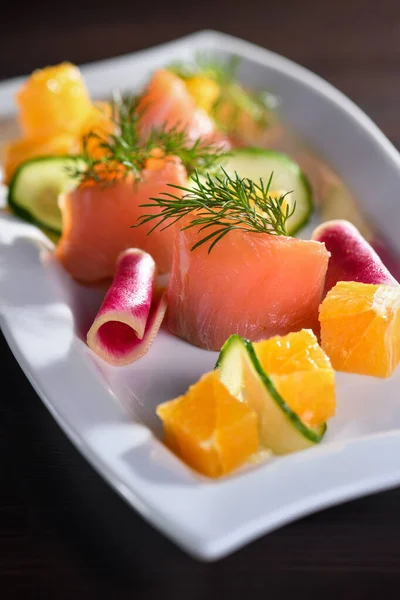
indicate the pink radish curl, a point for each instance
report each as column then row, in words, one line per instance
column 352, row 257
column 129, row 317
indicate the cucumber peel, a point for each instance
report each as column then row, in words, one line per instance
column 256, row 163
column 281, row 430
column 36, row 185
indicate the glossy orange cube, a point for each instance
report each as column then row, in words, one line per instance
column 53, row 100
column 360, row 328
column 209, row 429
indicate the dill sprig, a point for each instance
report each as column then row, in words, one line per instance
column 223, row 203
column 208, row 65
column 126, row 151
column 233, row 99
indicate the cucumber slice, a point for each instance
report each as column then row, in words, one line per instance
column 281, row 430
column 256, row 163
column 36, row 185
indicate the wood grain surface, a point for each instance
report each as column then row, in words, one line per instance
column 64, row 534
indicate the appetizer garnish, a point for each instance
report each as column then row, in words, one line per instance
column 360, row 328
column 288, row 381
column 54, row 99
column 352, row 258
column 126, row 153
column 256, row 163
column 237, row 196
column 275, row 395
column 19, row 151
column 255, row 282
column 116, row 182
column 166, row 103
column 209, row 429
column 55, row 112
column 214, row 86
column 224, row 204
column 129, row 317
column 36, row 185
column 97, row 221
column 207, row 65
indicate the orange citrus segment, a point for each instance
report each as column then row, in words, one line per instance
column 301, row 373
column 208, row 428
column 18, row 151
column 204, row 90
column 98, row 122
column 360, row 328
column 311, row 395
column 53, row 100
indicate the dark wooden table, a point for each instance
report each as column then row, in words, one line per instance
column 63, row 532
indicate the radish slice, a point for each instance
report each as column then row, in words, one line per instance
column 128, row 320
column 352, row 257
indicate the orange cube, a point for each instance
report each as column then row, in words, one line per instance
column 360, row 328
column 209, row 429
column 301, row 373
column 204, row 90
column 52, row 101
column 98, row 122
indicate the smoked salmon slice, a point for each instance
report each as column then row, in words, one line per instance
column 97, row 220
column 167, row 103
column 256, row 285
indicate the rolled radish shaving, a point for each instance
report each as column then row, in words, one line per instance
column 352, row 258
column 130, row 316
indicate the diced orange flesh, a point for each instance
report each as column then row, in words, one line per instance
column 18, row 151
column 360, row 328
column 301, row 373
column 209, row 429
column 204, row 91
column 53, row 100
column 253, row 284
column 99, row 122
column 55, row 115
column 97, row 222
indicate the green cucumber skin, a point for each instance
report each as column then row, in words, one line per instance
column 305, row 431
column 22, row 212
column 284, row 158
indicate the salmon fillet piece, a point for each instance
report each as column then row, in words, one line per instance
column 97, row 223
column 167, row 102
column 256, row 285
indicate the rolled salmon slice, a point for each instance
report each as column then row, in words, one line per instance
column 97, row 222
column 129, row 317
column 167, row 102
column 256, row 285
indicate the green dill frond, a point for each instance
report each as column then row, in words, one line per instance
column 234, row 100
column 208, row 65
column 126, row 152
column 222, row 203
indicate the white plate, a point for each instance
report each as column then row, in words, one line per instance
column 109, row 413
